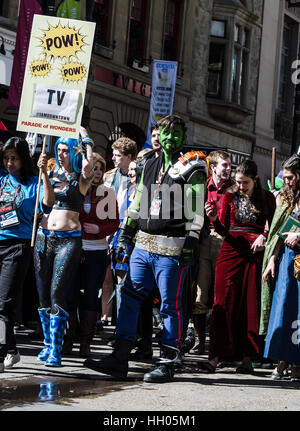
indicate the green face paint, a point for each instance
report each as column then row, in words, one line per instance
column 172, row 139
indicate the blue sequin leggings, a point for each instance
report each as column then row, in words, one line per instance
column 56, row 259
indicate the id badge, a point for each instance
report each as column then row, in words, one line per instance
column 8, row 215
column 155, row 204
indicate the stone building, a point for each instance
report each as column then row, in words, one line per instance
column 129, row 35
column 225, row 70
column 229, row 86
column 275, row 125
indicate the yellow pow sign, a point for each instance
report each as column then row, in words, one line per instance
column 56, row 75
column 73, row 71
column 40, row 68
column 62, row 42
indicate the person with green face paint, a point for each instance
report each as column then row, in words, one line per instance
column 163, row 223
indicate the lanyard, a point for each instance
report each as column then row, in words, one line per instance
column 3, row 185
column 162, row 175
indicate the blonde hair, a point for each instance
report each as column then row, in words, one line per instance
column 100, row 159
column 214, row 155
column 126, row 146
column 51, row 164
column 142, row 153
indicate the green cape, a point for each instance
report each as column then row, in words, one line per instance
column 267, row 288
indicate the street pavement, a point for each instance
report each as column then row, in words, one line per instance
column 31, row 386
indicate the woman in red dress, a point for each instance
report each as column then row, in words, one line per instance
column 246, row 214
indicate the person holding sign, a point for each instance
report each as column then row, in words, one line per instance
column 58, row 244
column 280, row 314
column 18, row 191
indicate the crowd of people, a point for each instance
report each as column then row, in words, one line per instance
column 169, row 223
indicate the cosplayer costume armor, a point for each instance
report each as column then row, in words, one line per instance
column 167, row 238
column 55, row 253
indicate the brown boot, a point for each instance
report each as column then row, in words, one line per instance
column 199, row 321
column 87, row 332
column 70, row 333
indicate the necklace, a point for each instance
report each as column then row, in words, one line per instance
column 65, row 176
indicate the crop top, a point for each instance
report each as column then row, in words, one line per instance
column 69, row 198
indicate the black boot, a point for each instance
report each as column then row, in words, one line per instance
column 164, row 371
column 70, row 333
column 87, row 332
column 115, row 364
column 199, row 321
column 144, row 349
column 189, row 341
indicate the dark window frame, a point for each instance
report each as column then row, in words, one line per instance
column 137, row 40
column 171, row 42
column 104, row 9
column 235, row 53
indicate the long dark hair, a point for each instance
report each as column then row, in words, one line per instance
column 258, row 198
column 290, row 196
column 20, row 146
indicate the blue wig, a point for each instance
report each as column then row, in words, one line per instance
column 75, row 161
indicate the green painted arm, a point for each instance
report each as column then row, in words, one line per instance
column 194, row 209
column 135, row 205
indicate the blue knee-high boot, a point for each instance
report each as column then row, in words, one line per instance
column 58, row 322
column 45, row 321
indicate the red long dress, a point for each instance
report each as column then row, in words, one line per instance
column 234, row 321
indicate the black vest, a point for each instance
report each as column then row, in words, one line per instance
column 170, row 220
column 70, row 198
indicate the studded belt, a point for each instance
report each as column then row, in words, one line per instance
column 159, row 244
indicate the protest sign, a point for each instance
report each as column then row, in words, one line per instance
column 163, row 89
column 56, row 76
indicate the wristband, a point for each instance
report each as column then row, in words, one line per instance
column 88, row 141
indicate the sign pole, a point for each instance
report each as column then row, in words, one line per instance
column 37, row 197
column 273, row 174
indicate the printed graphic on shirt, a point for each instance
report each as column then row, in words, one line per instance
column 9, row 192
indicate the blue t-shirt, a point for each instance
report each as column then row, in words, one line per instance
column 25, row 203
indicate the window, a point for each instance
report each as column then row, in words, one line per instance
column 137, row 31
column 215, row 70
column 283, row 124
column 216, row 59
column 239, row 65
column 101, row 16
column 227, row 73
column 9, row 9
column 172, row 29
column 218, row 28
column 284, row 67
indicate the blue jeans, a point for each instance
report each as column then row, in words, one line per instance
column 146, row 269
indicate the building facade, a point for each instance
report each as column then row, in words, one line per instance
column 233, row 58
column 276, row 123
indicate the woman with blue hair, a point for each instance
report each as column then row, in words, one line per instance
column 58, row 243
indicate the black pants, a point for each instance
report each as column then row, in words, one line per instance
column 56, row 261
column 14, row 262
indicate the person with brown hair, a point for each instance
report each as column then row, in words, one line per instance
column 244, row 221
column 280, row 313
column 210, row 245
column 124, row 152
column 99, row 218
